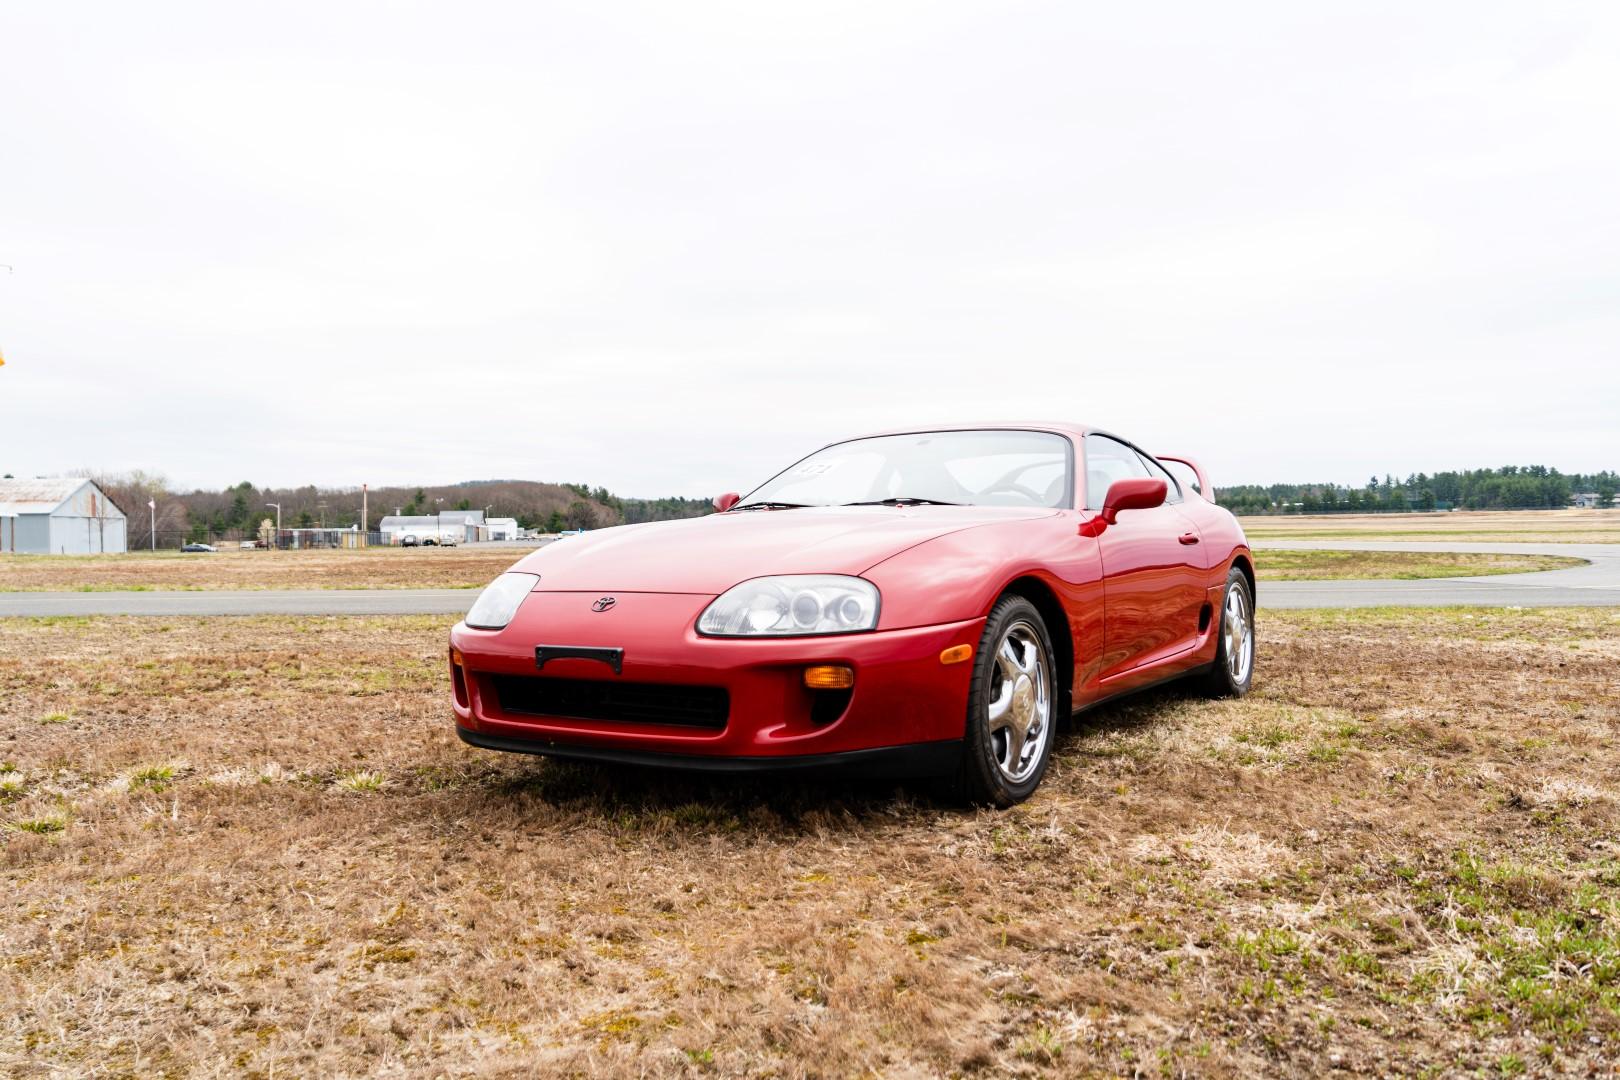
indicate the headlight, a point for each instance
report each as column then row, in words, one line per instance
column 499, row 601
column 787, row 606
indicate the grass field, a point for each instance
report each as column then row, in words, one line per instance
column 1522, row 526
column 254, row 847
column 1276, row 564
column 230, row 568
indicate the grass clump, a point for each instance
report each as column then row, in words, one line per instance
column 152, row 777
column 361, row 780
column 44, row 826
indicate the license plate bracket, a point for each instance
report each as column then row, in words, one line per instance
column 612, row 657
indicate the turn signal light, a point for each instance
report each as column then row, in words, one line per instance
column 458, row 677
column 956, row 654
column 829, row 677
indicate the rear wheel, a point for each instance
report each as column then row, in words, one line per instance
column 1011, row 707
column 1234, row 654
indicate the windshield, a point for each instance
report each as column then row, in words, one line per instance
column 978, row 468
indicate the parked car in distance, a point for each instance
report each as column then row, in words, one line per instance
column 922, row 602
column 248, row 545
column 408, row 540
column 199, row 547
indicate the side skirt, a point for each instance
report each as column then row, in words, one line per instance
column 1186, row 673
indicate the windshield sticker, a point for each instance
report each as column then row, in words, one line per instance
column 815, row 468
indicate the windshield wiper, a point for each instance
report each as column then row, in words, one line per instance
column 904, row 500
column 768, row 504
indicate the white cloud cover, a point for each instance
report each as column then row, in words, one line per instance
column 667, row 248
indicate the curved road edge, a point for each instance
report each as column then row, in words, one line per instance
column 1597, row 584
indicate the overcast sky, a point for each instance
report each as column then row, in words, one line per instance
column 667, row 248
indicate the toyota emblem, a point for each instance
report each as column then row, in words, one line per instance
column 603, row 604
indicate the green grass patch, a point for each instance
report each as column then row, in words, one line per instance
column 40, row 826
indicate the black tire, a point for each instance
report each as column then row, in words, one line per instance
column 981, row 779
column 1225, row 678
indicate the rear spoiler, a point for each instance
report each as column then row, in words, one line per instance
column 1198, row 470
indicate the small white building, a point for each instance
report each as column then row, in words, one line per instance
column 66, row 515
column 500, row 529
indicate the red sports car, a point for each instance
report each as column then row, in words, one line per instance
column 925, row 602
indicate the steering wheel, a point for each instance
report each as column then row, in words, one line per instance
column 1006, row 482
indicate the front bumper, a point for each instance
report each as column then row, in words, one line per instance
column 918, row 759
column 903, row 695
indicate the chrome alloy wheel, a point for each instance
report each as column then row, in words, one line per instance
column 1020, row 708
column 1238, row 628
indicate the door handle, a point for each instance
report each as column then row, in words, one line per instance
column 1189, row 538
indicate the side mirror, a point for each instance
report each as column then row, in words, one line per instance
column 725, row 502
column 1138, row 493
column 1135, row 494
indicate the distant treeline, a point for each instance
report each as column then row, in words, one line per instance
column 236, row 512
column 634, row 511
column 1512, row 487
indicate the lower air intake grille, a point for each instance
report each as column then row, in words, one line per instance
column 629, row 703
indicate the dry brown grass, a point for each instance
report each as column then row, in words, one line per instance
column 1522, row 526
column 254, row 847
column 1278, row 564
column 230, row 568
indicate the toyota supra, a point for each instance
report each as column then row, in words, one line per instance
column 929, row 602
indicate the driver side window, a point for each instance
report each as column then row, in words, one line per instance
column 1172, row 489
column 1108, row 460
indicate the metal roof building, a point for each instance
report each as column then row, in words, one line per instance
column 66, row 515
column 459, row 526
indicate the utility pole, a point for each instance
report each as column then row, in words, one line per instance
column 151, row 504
column 365, row 525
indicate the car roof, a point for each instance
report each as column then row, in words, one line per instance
column 1063, row 427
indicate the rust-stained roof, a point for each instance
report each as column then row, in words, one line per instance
column 38, row 496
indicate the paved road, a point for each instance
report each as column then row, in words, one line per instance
column 1597, row 584
column 243, row 602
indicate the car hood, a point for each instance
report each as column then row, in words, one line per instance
column 711, row 554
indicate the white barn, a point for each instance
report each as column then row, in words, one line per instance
column 59, row 516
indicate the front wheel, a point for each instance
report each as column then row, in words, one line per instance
column 1233, row 669
column 1011, row 707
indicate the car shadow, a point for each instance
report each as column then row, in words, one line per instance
column 1129, row 713
column 678, row 800
column 682, row 799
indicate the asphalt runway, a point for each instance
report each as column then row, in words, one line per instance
column 1597, row 584
column 1594, row 585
